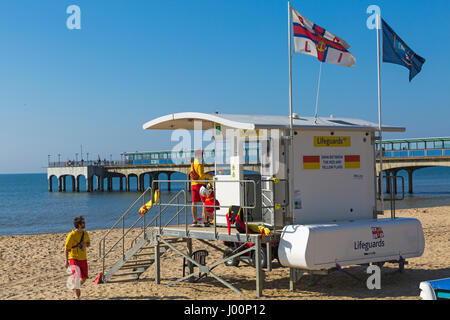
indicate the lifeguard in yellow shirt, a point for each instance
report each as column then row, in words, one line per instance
column 76, row 243
column 197, row 173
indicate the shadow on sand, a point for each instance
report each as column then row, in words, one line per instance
column 394, row 284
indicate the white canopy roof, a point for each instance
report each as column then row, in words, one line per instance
column 186, row 120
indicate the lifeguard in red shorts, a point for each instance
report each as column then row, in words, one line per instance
column 209, row 201
column 76, row 243
column 197, row 174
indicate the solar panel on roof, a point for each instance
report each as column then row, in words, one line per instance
column 342, row 122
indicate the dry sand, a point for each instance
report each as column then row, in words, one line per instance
column 32, row 267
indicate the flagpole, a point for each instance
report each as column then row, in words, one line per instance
column 317, row 96
column 291, row 125
column 379, row 109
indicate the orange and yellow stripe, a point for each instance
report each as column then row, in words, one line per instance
column 352, row 162
column 311, row 162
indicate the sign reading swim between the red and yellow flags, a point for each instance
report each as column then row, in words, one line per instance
column 331, row 162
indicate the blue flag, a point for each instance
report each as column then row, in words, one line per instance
column 396, row 51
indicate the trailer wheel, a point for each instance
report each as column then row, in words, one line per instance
column 263, row 256
column 232, row 262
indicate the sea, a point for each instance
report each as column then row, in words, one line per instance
column 27, row 206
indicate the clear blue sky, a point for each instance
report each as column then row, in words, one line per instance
column 136, row 60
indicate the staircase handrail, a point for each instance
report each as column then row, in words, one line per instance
column 122, row 218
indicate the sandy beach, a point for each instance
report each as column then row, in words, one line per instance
column 32, row 267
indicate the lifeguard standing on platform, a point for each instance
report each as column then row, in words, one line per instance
column 197, row 173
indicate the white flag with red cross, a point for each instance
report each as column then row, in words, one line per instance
column 315, row 41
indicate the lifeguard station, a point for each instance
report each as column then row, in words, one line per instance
column 319, row 202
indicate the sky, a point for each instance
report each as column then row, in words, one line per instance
column 93, row 88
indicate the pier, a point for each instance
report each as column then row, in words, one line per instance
column 142, row 168
column 411, row 155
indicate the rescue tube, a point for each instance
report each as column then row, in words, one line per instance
column 143, row 210
column 259, row 229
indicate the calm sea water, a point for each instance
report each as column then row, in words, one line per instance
column 26, row 206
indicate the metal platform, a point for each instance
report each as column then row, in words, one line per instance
column 212, row 232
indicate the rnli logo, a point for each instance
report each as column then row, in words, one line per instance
column 377, row 233
column 321, row 45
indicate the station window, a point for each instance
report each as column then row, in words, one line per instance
column 438, row 144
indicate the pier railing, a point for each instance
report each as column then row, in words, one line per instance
column 92, row 163
column 412, row 148
column 251, row 156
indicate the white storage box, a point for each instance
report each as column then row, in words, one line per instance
column 322, row 246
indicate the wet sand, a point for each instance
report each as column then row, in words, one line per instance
column 32, row 267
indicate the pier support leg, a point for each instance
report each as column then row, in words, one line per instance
column 410, row 181
column 73, row 184
column 78, row 184
column 141, row 183
column 388, row 182
column 394, row 182
column 59, row 184
column 168, row 183
column 128, row 183
column 380, row 176
column 98, row 183
column 102, row 183
column 63, row 183
column 109, row 183
column 50, row 185
column 89, row 181
column 155, row 184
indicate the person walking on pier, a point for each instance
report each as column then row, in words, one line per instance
column 197, row 173
column 75, row 254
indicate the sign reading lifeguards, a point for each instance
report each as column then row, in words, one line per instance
column 321, row 141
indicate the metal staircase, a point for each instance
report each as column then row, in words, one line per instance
column 131, row 263
column 138, row 259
